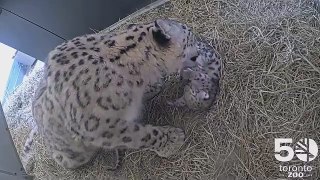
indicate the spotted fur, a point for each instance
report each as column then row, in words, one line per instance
column 93, row 89
column 202, row 85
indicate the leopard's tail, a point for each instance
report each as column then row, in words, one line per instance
column 27, row 156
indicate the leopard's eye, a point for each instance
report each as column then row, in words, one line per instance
column 194, row 58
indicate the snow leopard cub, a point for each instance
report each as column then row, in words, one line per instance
column 202, row 80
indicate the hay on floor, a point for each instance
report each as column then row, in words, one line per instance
column 270, row 89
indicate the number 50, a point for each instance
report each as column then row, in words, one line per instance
column 278, row 147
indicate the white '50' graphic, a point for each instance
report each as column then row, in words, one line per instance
column 305, row 149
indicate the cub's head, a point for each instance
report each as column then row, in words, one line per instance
column 175, row 40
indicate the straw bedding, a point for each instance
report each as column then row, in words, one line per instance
column 270, row 89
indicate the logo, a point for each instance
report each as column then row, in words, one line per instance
column 305, row 150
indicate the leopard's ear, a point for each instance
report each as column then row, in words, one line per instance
column 160, row 34
column 205, row 95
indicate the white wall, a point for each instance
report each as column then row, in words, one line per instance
column 6, row 61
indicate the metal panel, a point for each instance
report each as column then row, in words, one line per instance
column 24, row 58
column 26, row 37
column 24, row 21
column 10, row 164
column 73, row 17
